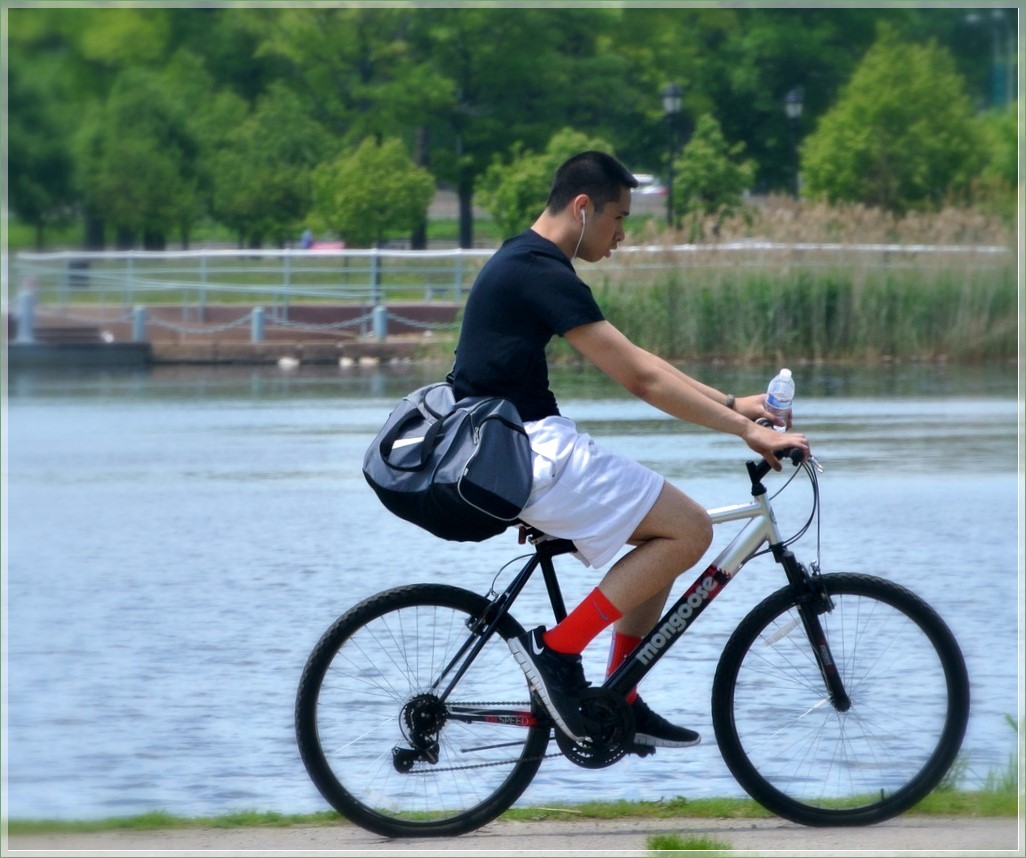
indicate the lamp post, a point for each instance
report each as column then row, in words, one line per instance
column 794, row 104
column 672, row 95
column 1001, row 85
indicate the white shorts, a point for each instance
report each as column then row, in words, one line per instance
column 585, row 493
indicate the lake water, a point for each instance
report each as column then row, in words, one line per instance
column 177, row 540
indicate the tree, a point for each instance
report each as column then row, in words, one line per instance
column 138, row 161
column 517, row 74
column 39, row 158
column 764, row 54
column 355, row 70
column 711, row 177
column 361, row 73
column 458, row 86
column 371, row 192
column 51, row 87
column 515, row 193
column 901, row 136
column 262, row 172
column 999, row 131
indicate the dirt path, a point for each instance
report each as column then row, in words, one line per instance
column 926, row 835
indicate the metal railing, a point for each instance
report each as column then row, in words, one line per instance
column 263, row 284
column 272, row 277
column 266, row 284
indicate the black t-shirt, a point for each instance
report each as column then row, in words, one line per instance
column 526, row 293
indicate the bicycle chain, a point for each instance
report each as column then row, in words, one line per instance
column 434, row 769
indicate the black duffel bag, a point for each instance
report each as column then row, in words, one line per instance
column 461, row 470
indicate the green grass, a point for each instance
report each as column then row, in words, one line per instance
column 448, row 230
column 160, row 821
column 22, row 236
column 677, row 843
column 983, row 803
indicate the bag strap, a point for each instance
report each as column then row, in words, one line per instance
column 389, row 439
column 430, row 413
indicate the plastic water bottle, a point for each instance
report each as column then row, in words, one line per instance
column 779, row 396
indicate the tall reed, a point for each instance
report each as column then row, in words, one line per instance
column 917, row 289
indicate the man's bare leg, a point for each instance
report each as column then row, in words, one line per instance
column 670, row 540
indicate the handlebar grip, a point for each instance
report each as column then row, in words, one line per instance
column 761, row 468
column 795, row 454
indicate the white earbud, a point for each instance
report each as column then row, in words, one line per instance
column 580, row 238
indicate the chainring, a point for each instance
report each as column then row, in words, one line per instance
column 610, row 725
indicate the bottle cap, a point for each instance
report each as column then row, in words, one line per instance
column 786, row 373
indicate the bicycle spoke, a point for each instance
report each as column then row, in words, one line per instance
column 384, row 748
column 808, row 761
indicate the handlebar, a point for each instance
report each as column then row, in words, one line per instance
column 758, row 470
column 795, row 454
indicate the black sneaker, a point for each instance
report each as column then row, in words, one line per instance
column 655, row 731
column 557, row 677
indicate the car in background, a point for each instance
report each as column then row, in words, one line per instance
column 649, row 184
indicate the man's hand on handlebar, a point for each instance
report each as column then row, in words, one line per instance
column 768, row 443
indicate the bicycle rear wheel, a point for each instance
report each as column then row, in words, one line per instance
column 804, row 760
column 380, row 742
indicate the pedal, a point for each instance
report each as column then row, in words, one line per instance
column 640, row 750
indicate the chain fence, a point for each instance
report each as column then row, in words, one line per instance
column 210, row 291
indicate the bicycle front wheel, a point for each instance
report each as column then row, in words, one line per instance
column 385, row 741
column 802, row 758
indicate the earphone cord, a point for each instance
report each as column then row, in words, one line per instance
column 584, row 223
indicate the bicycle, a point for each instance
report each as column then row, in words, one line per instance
column 840, row 699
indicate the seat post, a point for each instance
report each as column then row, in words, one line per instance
column 546, row 547
column 552, row 585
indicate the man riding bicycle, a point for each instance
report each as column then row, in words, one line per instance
column 526, row 293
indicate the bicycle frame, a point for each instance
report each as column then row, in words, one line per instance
column 707, row 586
column 711, row 583
column 680, row 617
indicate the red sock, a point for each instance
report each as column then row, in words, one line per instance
column 620, row 647
column 583, row 624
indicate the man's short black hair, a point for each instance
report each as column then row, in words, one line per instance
column 596, row 174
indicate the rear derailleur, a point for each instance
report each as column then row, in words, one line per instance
column 421, row 721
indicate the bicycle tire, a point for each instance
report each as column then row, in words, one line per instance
column 804, row 760
column 350, row 710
